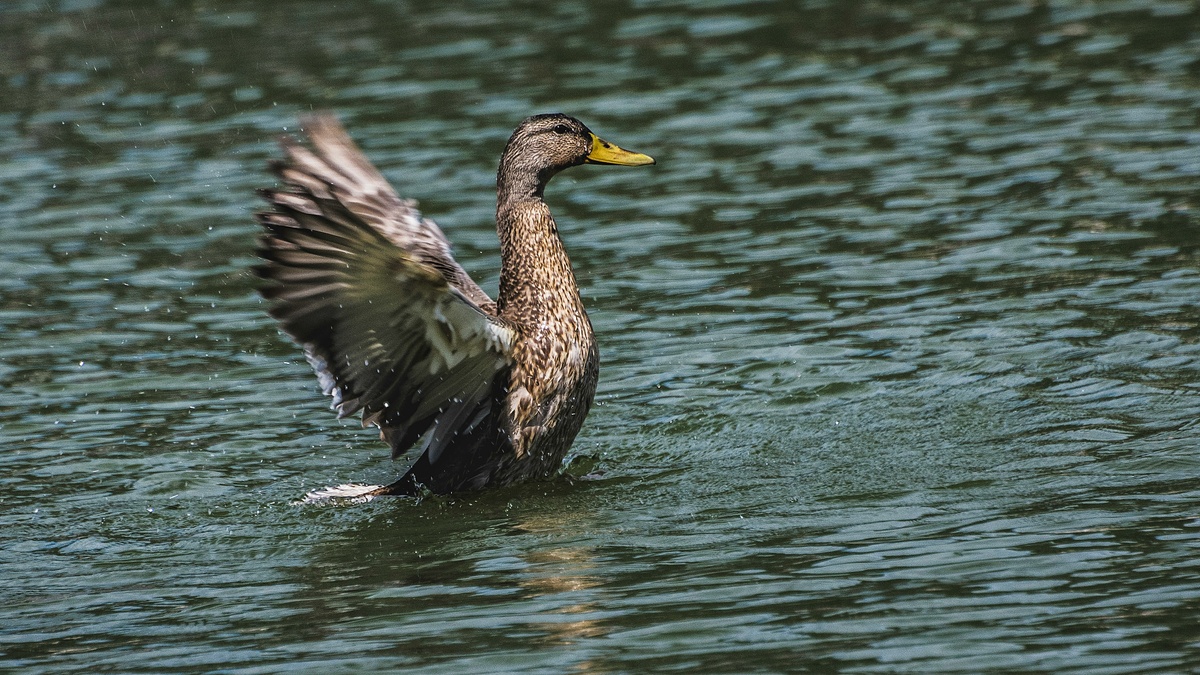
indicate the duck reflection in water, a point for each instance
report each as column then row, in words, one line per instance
column 563, row 570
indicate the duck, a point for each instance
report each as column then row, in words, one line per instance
column 490, row 392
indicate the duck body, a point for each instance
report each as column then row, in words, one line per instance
column 396, row 329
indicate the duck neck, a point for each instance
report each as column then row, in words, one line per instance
column 520, row 185
column 536, row 279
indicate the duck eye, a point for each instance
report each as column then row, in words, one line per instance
column 561, row 129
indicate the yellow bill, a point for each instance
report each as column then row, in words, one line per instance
column 604, row 152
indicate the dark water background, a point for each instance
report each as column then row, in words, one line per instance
column 900, row 340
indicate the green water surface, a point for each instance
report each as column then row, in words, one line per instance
column 900, row 340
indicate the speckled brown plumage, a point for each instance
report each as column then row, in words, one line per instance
column 397, row 330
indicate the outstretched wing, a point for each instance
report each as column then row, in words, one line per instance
column 391, row 324
column 339, row 170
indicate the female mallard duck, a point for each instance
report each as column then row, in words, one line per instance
column 396, row 329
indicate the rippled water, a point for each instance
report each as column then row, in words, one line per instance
column 900, row 340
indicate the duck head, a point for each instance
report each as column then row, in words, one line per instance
column 543, row 145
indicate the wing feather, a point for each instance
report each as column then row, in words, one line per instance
column 336, row 168
column 391, row 324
